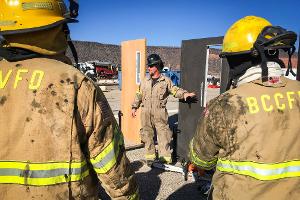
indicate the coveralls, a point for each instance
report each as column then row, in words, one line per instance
column 251, row 135
column 154, row 115
column 59, row 137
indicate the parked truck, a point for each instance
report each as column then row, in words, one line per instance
column 97, row 70
column 105, row 70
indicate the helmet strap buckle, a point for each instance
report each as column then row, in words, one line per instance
column 271, row 52
column 254, row 53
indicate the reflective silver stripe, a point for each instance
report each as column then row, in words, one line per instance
column 106, row 159
column 37, row 5
column 42, row 173
column 112, row 154
column 263, row 172
column 7, row 23
column 10, row 172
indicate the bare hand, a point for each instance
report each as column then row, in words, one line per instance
column 133, row 112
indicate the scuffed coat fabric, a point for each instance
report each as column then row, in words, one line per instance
column 152, row 101
column 51, row 147
column 251, row 135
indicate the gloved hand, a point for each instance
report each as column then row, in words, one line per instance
column 190, row 99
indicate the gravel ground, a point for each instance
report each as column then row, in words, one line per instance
column 159, row 184
column 156, row 183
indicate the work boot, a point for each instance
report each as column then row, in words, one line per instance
column 149, row 163
column 150, row 158
column 165, row 159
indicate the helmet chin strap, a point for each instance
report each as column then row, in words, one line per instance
column 263, row 65
column 289, row 69
column 264, row 61
column 71, row 45
column 280, row 39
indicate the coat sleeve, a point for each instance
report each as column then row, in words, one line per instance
column 174, row 90
column 210, row 136
column 105, row 144
column 138, row 98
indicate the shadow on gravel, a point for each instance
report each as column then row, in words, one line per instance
column 189, row 191
column 149, row 182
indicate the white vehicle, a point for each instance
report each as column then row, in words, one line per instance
column 88, row 70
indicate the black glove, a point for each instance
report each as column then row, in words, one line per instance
column 189, row 100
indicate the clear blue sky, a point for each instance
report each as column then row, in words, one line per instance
column 168, row 22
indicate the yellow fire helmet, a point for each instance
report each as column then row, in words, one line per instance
column 22, row 16
column 256, row 36
column 241, row 36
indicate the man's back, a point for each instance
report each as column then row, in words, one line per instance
column 51, row 146
column 257, row 125
column 38, row 127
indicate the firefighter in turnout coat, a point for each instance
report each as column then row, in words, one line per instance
column 59, row 138
column 251, row 132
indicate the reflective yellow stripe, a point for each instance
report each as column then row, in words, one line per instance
column 261, row 171
column 150, row 156
column 40, row 174
column 138, row 94
column 135, row 196
column 108, row 157
column 40, row 166
column 167, row 159
column 138, row 91
column 174, row 90
column 197, row 161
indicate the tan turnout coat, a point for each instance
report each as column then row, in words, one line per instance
column 252, row 135
column 58, row 135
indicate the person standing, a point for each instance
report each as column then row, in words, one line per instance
column 152, row 96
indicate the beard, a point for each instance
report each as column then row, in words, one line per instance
column 151, row 74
